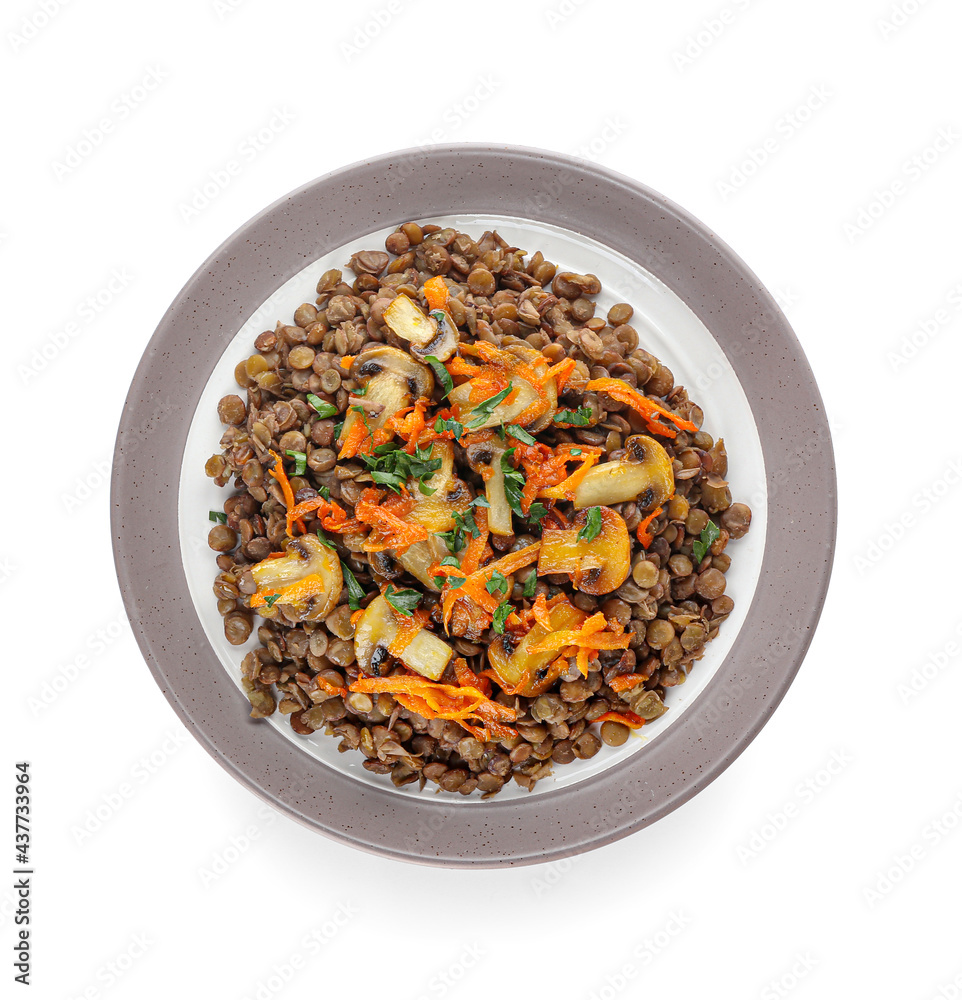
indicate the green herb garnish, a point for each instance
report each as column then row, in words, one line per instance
column 450, row 561
column 500, row 616
column 300, row 462
column 536, row 512
column 453, row 539
column 485, row 408
column 441, row 373
column 577, row 418
column 272, row 599
column 216, row 515
column 338, row 427
column 391, row 466
column 441, row 425
column 323, row 409
column 520, row 434
column 701, row 545
column 513, row 482
column 323, row 539
column 355, row 592
column 497, row 582
column 325, row 492
column 361, row 390
column 575, row 451
column 466, row 522
column 592, row 526
column 403, row 601
column 530, row 584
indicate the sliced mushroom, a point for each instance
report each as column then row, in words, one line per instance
column 418, row 559
column 596, row 567
column 433, row 335
column 512, row 664
column 377, row 630
column 643, row 475
column 393, row 380
column 306, row 557
column 435, row 510
column 503, row 413
column 484, row 456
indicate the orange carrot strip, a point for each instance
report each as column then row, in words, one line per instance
column 561, row 372
column 278, row 473
column 436, row 292
column 347, row 360
column 626, row 682
column 652, row 412
column 628, row 719
column 643, row 535
column 304, row 589
column 329, row 686
column 466, row 677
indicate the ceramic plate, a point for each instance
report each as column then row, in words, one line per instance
column 697, row 307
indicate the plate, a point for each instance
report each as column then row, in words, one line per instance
column 697, row 306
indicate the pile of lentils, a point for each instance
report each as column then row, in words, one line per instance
column 672, row 603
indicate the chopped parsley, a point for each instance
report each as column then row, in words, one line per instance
column 536, row 511
column 453, row 539
column 592, row 526
column 701, row 545
column 530, row 584
column 450, row 561
column 520, row 434
column 575, row 451
column 355, row 592
column 323, row 539
column 466, row 522
column 500, row 616
column 216, row 515
column 441, row 425
column 323, row 409
column 300, row 462
column 513, row 482
column 577, row 418
column 485, row 408
column 403, row 601
column 325, row 492
column 272, row 599
column 498, row 582
column 391, row 466
column 441, row 373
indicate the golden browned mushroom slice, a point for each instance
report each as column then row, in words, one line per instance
column 598, row 561
column 643, row 475
column 436, row 513
column 513, row 665
column 308, row 577
column 503, row 412
column 429, row 336
column 376, row 638
column 484, row 457
column 393, row 380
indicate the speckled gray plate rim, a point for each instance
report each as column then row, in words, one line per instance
column 631, row 219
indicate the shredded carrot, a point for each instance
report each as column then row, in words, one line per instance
column 628, row 719
column 355, row 618
column 643, row 535
column 474, row 585
column 329, row 686
column 438, row 701
column 331, row 514
column 408, row 424
column 278, row 473
column 561, row 372
column 540, row 612
column 626, row 682
column 276, row 555
column 653, row 413
column 310, row 586
column 436, row 292
column 466, row 677
column 347, row 360
column 586, row 641
column 565, row 490
column 385, row 515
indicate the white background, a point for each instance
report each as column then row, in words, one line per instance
column 825, row 862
